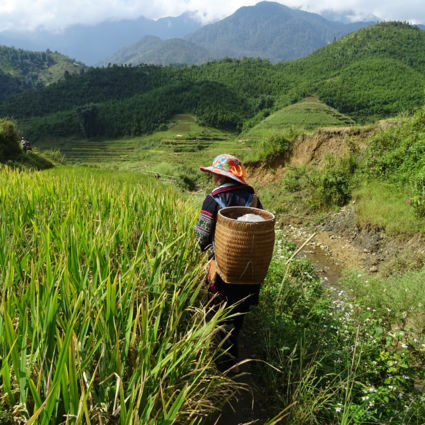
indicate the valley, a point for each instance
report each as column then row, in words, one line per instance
column 102, row 295
column 346, row 257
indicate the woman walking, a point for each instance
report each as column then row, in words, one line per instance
column 230, row 190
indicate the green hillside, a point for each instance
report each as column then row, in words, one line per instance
column 32, row 69
column 308, row 114
column 180, row 145
column 395, row 40
column 374, row 73
column 372, row 88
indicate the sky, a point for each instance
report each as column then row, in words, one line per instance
column 56, row 15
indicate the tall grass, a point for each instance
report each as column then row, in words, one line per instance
column 340, row 357
column 99, row 279
column 385, row 206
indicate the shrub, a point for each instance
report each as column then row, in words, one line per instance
column 277, row 144
column 333, row 184
column 9, row 144
column 418, row 200
column 294, row 179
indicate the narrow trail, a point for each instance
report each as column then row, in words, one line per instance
column 249, row 407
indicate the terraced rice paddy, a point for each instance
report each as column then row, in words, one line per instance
column 184, row 143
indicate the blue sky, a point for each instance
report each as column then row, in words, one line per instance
column 58, row 14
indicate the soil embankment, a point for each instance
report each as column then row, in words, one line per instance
column 339, row 243
column 339, row 239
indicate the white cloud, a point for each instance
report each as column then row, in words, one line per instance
column 58, row 14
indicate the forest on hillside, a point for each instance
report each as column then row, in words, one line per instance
column 374, row 73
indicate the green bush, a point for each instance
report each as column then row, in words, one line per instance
column 277, row 144
column 294, row 179
column 334, row 182
column 9, row 144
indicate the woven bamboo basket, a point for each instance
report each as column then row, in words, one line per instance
column 243, row 250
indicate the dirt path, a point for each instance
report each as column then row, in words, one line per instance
column 330, row 255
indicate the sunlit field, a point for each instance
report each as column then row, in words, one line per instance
column 99, row 314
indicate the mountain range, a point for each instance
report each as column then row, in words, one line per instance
column 373, row 73
column 267, row 30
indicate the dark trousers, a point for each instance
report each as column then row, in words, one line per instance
column 239, row 298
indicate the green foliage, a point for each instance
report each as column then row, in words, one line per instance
column 398, row 156
column 376, row 72
column 372, row 88
column 338, row 361
column 325, row 187
column 273, row 146
column 26, row 69
column 213, row 103
column 398, row 298
column 100, row 316
column 386, row 179
column 386, row 206
column 264, row 102
column 334, row 181
column 9, row 141
column 53, row 155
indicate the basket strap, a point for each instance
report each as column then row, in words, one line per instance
column 250, row 202
column 219, row 201
column 253, row 201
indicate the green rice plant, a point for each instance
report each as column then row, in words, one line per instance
column 99, row 314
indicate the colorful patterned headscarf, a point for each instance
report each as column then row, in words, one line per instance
column 227, row 165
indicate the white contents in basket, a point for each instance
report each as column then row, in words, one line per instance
column 252, row 218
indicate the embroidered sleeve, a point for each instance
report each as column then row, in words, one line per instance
column 205, row 226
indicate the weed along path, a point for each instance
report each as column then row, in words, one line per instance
column 250, row 405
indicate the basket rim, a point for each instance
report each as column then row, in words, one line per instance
column 220, row 212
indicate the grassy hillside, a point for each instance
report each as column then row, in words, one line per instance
column 173, row 154
column 385, row 177
column 306, row 115
column 33, row 69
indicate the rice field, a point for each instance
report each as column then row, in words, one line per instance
column 100, row 318
column 183, row 144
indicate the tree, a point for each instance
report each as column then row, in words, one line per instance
column 9, row 143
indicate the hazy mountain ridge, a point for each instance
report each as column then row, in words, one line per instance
column 94, row 43
column 153, row 50
column 271, row 31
